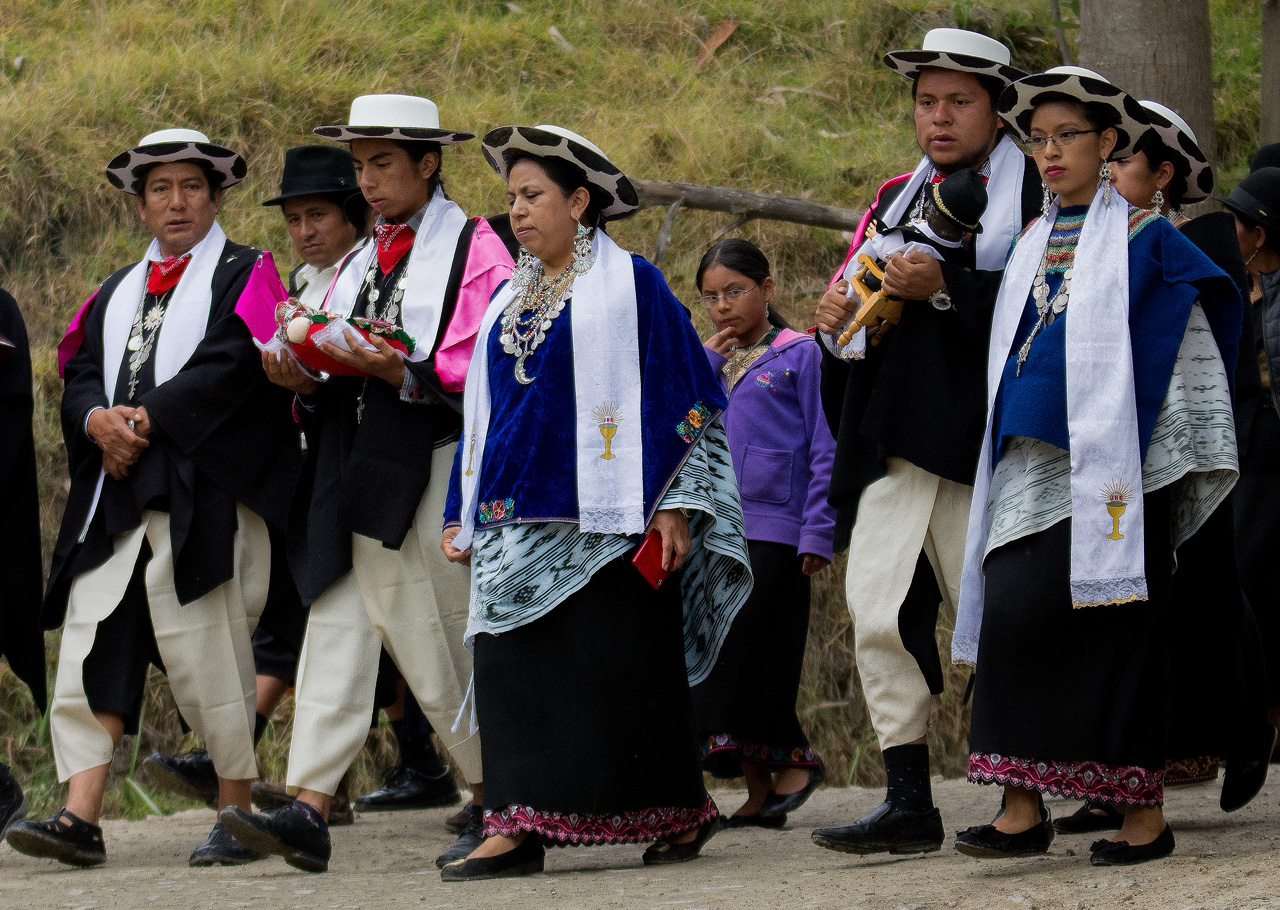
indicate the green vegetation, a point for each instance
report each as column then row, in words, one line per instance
column 794, row 102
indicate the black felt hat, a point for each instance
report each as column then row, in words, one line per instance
column 962, row 197
column 311, row 170
column 1257, row 197
column 1267, row 156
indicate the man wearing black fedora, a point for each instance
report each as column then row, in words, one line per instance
column 180, row 453
column 908, row 415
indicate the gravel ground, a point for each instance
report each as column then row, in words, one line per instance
column 384, row 861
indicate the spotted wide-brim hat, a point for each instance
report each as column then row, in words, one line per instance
column 1181, row 140
column 956, row 49
column 405, row 117
column 548, row 141
column 167, row 146
column 1020, row 100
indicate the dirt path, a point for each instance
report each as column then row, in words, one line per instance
column 384, row 861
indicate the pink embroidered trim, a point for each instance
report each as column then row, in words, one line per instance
column 1126, row 785
column 761, row 753
column 565, row 828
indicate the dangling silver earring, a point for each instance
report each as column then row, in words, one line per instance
column 766, row 309
column 581, row 250
column 1105, row 177
column 1048, row 200
column 1157, row 202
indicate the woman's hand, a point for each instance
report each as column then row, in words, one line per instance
column 835, row 309
column 811, row 564
column 673, row 528
column 282, row 370
column 723, row 342
column 452, row 553
column 385, row 363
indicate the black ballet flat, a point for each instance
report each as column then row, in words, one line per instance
column 755, row 820
column 526, row 858
column 1084, row 820
column 781, row 803
column 664, row 853
column 1122, row 853
column 1245, row 776
column 989, row 842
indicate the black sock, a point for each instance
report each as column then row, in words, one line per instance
column 907, row 770
column 419, row 753
column 260, row 722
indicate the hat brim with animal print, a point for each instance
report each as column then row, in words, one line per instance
column 548, row 141
column 1019, row 101
column 405, row 117
column 168, row 146
column 956, row 49
column 1178, row 136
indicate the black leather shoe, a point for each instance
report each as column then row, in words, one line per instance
column 221, row 849
column 287, row 832
column 458, row 821
column 189, row 775
column 987, row 841
column 63, row 836
column 471, row 837
column 664, row 853
column 1246, row 775
column 267, row 796
column 525, row 859
column 409, row 788
column 888, row 828
column 782, row 803
column 1121, row 853
column 13, row 802
column 1085, row 819
column 755, row 820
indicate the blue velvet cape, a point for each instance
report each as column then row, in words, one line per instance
column 1167, row 274
column 529, row 470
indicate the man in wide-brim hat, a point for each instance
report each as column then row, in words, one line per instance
column 382, row 443
column 180, row 454
column 908, row 417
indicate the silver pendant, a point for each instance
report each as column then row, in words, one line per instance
column 135, row 343
column 521, row 376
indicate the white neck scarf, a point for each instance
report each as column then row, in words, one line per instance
column 1102, row 419
column 426, row 276
column 606, row 371
column 1001, row 221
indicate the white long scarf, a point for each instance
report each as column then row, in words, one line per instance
column 426, row 276
column 1001, row 221
column 606, row 371
column 1102, row 419
column 186, row 319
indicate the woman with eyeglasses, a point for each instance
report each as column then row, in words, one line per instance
column 782, row 454
column 1109, row 442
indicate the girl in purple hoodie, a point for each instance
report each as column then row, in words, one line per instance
column 782, row 453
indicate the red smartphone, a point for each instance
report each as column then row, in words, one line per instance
column 648, row 560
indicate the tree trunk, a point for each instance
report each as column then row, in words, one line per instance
column 1157, row 50
column 1269, row 128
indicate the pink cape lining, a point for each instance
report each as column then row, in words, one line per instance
column 860, row 234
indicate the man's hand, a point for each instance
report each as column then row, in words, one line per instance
column 673, row 530
column 912, row 277
column 835, row 309
column 282, row 370
column 121, row 444
column 386, row 363
column 452, row 553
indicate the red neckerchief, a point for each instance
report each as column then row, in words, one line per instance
column 938, row 177
column 165, row 273
column 394, row 240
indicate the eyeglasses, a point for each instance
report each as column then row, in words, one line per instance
column 731, row 296
column 1061, row 140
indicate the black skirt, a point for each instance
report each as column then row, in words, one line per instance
column 1072, row 701
column 746, row 708
column 1257, row 520
column 587, row 718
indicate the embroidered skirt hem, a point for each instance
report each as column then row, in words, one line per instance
column 570, row 829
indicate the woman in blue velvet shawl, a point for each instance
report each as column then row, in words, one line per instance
column 1109, row 442
column 590, row 420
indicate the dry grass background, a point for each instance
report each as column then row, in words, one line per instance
column 794, row 102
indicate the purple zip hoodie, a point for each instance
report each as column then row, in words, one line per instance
column 781, row 445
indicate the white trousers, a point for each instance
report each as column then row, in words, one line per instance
column 900, row 514
column 205, row 646
column 414, row 602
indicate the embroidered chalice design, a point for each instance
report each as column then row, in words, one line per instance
column 608, row 418
column 1116, row 495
